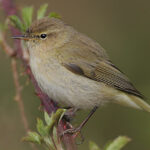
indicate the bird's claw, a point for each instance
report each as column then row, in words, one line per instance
column 71, row 131
column 75, row 132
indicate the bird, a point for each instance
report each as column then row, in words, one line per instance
column 75, row 71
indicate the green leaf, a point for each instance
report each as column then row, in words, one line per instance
column 54, row 15
column 54, row 118
column 41, row 11
column 48, row 141
column 58, row 115
column 93, row 146
column 17, row 22
column 42, row 129
column 27, row 13
column 62, row 114
column 118, row 143
column 33, row 137
column 47, row 118
column 55, row 135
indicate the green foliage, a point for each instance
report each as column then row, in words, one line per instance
column 116, row 144
column 17, row 23
column 55, row 15
column 93, row 146
column 41, row 11
column 27, row 13
column 47, row 118
column 41, row 128
column 47, row 134
column 26, row 17
column 33, row 137
column 55, row 117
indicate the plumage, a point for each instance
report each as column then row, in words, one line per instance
column 108, row 75
column 97, row 67
column 75, row 70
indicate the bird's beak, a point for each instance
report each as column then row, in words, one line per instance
column 22, row 37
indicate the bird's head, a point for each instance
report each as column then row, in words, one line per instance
column 46, row 32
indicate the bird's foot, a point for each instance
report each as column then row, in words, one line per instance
column 69, row 114
column 72, row 131
column 76, row 132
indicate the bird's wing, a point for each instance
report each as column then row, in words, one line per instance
column 90, row 61
column 106, row 74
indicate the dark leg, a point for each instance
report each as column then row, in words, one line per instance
column 78, row 129
column 70, row 113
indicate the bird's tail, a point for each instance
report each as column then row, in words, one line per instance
column 143, row 105
column 132, row 101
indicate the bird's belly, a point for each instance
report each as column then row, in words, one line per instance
column 67, row 88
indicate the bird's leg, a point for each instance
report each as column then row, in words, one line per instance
column 78, row 129
column 70, row 113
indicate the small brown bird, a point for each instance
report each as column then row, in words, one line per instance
column 74, row 70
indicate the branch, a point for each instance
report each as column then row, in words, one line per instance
column 8, row 50
column 18, row 96
column 11, row 53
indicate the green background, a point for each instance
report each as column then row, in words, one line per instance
column 123, row 29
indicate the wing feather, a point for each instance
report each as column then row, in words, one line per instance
column 108, row 75
column 85, row 57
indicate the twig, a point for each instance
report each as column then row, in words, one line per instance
column 11, row 53
column 18, row 96
column 8, row 50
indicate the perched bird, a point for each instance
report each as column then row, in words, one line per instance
column 74, row 70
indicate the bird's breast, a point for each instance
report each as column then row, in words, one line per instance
column 65, row 87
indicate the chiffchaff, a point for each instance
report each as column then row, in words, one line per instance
column 74, row 70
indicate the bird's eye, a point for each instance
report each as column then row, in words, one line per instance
column 43, row 36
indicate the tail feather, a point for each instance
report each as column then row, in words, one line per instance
column 141, row 103
column 132, row 101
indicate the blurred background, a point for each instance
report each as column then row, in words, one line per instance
column 123, row 29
